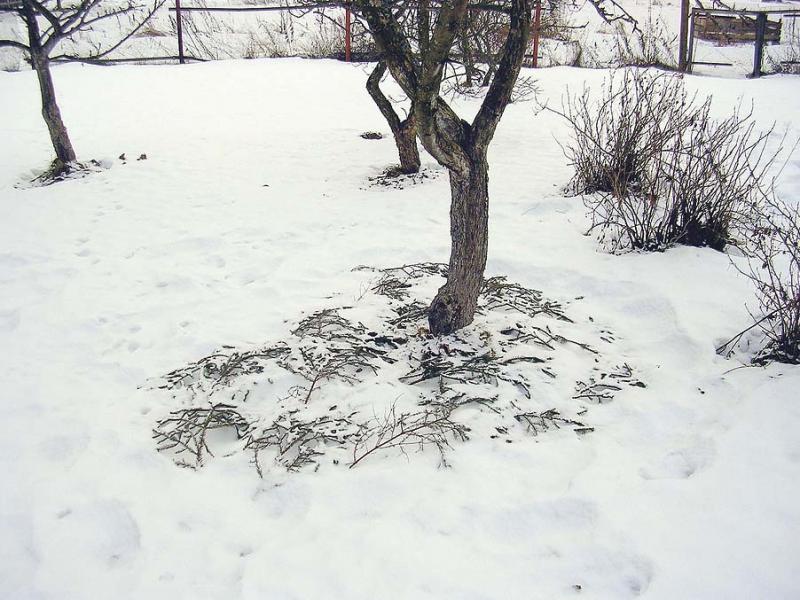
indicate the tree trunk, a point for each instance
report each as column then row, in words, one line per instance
column 405, row 138
column 455, row 303
column 52, row 115
column 404, row 132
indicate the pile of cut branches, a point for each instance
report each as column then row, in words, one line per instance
column 351, row 383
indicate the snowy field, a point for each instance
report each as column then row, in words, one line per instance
column 251, row 210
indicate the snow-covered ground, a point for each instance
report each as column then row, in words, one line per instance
column 252, row 208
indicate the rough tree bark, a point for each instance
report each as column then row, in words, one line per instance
column 455, row 303
column 404, row 131
column 459, row 146
column 65, row 154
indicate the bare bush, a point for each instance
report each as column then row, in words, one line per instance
column 649, row 45
column 265, row 43
column 202, row 33
column 786, row 57
column 657, row 169
column 774, row 268
column 326, row 39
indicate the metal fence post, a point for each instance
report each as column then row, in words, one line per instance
column 179, row 27
column 537, row 21
column 683, row 36
column 758, row 55
column 347, row 33
column 690, row 49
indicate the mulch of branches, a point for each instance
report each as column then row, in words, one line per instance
column 58, row 171
column 352, row 384
column 394, row 178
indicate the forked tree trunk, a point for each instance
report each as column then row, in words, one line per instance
column 65, row 154
column 455, row 303
column 404, row 132
column 455, row 144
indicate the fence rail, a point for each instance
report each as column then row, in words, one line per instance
column 348, row 27
column 754, row 19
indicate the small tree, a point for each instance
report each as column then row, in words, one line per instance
column 51, row 27
column 459, row 146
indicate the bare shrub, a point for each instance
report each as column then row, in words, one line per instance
column 202, row 34
column 265, row 43
column 326, row 39
column 786, row 57
column 613, row 137
column 774, row 268
column 656, row 169
column 649, row 45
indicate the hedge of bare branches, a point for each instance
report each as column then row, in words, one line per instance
column 657, row 169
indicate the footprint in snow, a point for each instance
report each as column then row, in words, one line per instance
column 681, row 463
column 103, row 531
column 64, row 449
column 616, row 574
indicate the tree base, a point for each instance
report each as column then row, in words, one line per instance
column 448, row 313
column 57, row 171
column 400, row 170
column 61, row 171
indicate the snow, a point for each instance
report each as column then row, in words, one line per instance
column 251, row 210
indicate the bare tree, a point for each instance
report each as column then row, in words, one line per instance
column 51, row 27
column 459, row 146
